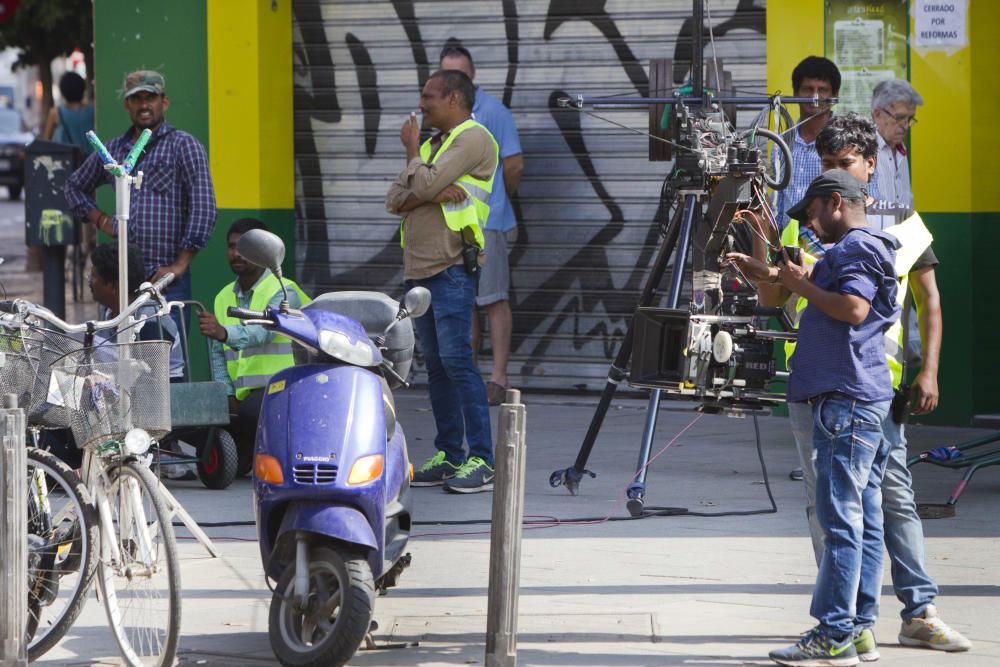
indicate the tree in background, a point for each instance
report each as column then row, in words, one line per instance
column 44, row 30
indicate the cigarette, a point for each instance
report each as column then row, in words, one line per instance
column 413, row 116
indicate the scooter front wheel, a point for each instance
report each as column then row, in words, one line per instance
column 327, row 630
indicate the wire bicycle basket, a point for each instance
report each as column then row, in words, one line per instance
column 53, row 350
column 18, row 363
column 108, row 389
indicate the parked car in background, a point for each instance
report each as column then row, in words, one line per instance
column 12, row 144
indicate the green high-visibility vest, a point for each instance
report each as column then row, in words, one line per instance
column 473, row 211
column 915, row 239
column 251, row 368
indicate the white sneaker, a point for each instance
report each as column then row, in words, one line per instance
column 930, row 631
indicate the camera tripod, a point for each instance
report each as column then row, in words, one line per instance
column 677, row 243
column 679, row 236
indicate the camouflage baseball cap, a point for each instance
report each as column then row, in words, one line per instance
column 143, row 80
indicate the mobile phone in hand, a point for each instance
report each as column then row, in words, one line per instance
column 794, row 254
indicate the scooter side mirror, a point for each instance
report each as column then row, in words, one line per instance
column 417, row 301
column 263, row 249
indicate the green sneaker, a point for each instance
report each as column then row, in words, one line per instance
column 864, row 644
column 435, row 471
column 473, row 477
column 817, row 650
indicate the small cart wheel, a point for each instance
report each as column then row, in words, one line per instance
column 217, row 463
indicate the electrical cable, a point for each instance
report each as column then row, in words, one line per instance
column 636, row 130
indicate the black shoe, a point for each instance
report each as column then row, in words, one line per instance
column 817, row 650
column 434, row 471
column 473, row 477
column 796, row 474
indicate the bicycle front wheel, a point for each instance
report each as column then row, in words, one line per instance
column 139, row 575
column 62, row 549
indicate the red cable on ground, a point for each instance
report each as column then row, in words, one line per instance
column 555, row 521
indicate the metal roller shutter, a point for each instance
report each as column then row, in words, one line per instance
column 588, row 195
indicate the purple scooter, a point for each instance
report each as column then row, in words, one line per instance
column 331, row 472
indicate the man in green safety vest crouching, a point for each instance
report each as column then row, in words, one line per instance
column 245, row 356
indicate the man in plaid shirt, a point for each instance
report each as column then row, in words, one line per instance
column 814, row 76
column 172, row 216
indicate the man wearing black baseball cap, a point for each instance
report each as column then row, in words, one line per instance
column 839, row 368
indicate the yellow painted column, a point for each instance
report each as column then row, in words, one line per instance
column 250, row 103
column 944, row 131
column 794, row 31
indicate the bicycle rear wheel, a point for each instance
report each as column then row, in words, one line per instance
column 142, row 589
column 62, row 549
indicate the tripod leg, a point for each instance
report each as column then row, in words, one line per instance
column 637, row 489
column 571, row 477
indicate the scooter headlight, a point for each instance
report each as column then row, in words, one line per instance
column 366, row 469
column 137, row 442
column 339, row 346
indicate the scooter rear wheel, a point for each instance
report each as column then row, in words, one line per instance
column 329, row 629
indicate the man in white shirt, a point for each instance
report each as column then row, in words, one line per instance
column 894, row 110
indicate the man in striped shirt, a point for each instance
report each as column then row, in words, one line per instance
column 894, row 110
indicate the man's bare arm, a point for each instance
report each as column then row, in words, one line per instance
column 925, row 395
column 513, row 168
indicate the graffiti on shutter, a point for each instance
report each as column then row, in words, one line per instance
column 588, row 201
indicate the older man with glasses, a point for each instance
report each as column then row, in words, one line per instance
column 894, row 110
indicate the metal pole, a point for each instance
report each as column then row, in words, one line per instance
column 505, row 538
column 123, row 185
column 637, row 489
column 698, row 48
column 13, row 536
column 54, row 279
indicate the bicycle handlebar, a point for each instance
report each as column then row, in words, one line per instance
column 146, row 292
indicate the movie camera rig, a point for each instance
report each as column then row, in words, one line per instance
column 718, row 351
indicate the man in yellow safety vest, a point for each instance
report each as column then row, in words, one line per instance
column 245, row 356
column 443, row 195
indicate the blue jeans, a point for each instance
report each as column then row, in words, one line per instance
column 457, row 390
column 904, row 533
column 850, row 460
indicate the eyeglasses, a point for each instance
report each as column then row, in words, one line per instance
column 901, row 118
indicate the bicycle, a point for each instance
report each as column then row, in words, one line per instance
column 115, row 399
column 62, row 549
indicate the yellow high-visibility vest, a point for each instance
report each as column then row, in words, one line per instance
column 251, row 368
column 473, row 211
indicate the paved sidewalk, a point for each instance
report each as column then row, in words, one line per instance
column 659, row 591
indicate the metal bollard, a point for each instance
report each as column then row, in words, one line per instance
column 505, row 537
column 13, row 537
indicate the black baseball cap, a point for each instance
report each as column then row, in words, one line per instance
column 824, row 185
